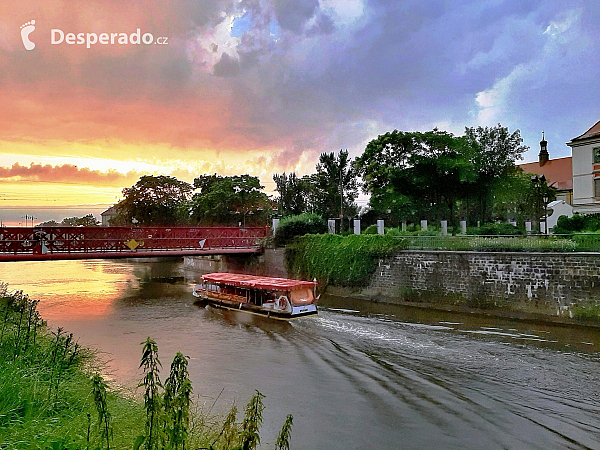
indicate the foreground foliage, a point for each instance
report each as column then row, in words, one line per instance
column 52, row 396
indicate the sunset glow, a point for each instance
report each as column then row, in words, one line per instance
column 264, row 88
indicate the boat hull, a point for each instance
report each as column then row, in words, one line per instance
column 297, row 311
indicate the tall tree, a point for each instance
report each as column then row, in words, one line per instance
column 159, row 200
column 293, row 194
column 229, row 200
column 336, row 185
column 493, row 152
column 415, row 175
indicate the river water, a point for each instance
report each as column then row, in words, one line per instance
column 359, row 375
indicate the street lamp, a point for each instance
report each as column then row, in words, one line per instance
column 538, row 184
column 545, row 198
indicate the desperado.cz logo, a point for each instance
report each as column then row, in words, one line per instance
column 58, row 37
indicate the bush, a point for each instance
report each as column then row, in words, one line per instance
column 495, row 229
column 299, row 225
column 566, row 225
column 371, row 229
column 339, row 260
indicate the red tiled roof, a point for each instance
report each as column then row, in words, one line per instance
column 592, row 132
column 251, row 281
column 558, row 172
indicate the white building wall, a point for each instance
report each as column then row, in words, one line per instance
column 584, row 201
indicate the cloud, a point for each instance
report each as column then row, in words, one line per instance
column 66, row 173
column 295, row 78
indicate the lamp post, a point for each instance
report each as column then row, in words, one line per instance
column 538, row 184
column 545, row 198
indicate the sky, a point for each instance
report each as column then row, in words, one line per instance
column 265, row 86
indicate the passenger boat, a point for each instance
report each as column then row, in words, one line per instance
column 279, row 298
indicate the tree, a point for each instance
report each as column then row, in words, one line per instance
column 227, row 200
column 292, row 194
column 415, row 175
column 436, row 175
column 336, row 185
column 493, row 152
column 159, row 200
column 519, row 198
column 86, row 221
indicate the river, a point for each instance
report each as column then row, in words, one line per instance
column 358, row 376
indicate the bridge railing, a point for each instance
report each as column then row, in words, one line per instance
column 60, row 240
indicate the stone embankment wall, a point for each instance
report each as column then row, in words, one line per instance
column 548, row 283
column 271, row 263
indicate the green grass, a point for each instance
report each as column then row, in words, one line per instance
column 52, row 396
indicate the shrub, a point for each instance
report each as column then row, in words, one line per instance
column 299, row 225
column 371, row 229
column 495, row 229
column 339, row 260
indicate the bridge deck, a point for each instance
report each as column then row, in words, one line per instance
column 55, row 243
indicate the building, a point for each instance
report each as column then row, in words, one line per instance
column 558, row 172
column 585, row 151
column 108, row 215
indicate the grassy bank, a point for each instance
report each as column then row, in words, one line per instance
column 339, row 260
column 53, row 397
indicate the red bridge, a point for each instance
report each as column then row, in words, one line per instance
column 51, row 243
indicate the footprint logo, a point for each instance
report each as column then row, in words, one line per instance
column 26, row 30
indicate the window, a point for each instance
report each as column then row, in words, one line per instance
column 597, row 188
column 596, row 152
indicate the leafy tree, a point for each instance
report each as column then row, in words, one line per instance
column 493, row 152
column 159, row 200
column 86, row 221
column 336, row 185
column 49, row 223
column 415, row 175
column 293, row 194
column 516, row 197
column 228, row 200
column 436, row 175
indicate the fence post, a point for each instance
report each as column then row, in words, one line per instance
column 356, row 226
column 444, row 227
column 331, row 226
column 463, row 226
column 275, row 224
column 424, row 225
column 404, row 225
column 528, row 227
column 380, row 227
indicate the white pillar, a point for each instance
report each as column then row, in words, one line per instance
column 331, row 226
column 275, row 224
column 444, row 227
column 528, row 227
column 380, row 227
column 424, row 225
column 543, row 227
column 356, row 226
column 463, row 226
column 404, row 225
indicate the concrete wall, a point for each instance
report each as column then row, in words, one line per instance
column 271, row 263
column 547, row 283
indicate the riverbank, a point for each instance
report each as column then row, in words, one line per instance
column 52, row 395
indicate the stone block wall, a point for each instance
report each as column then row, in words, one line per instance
column 548, row 283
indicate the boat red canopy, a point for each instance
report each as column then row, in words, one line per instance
column 251, row 281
